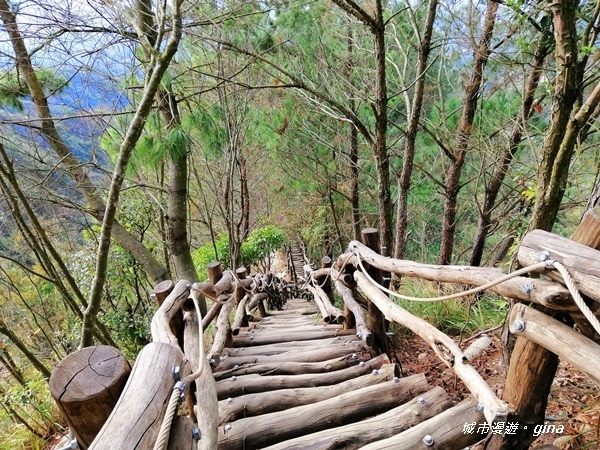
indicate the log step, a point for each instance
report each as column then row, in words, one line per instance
column 291, row 381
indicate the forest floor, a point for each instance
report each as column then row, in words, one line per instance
column 574, row 400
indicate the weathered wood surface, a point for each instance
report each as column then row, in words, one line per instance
column 582, row 262
column 377, row 322
column 162, row 290
column 267, row 429
column 135, row 421
column 249, row 405
column 588, row 230
column 560, row 339
column 330, row 313
column 240, row 319
column 160, row 326
column 544, row 292
column 446, row 349
column 362, row 330
column 290, row 367
column 223, row 337
column 356, row 435
column 306, row 354
column 270, row 337
column 352, row 342
column 532, row 367
column 86, row 386
column 446, row 430
column 252, row 384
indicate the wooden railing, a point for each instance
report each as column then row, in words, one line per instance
column 527, row 388
column 87, row 383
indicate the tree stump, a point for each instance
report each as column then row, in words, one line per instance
column 86, row 386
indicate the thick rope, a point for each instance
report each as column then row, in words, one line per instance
column 481, row 288
column 570, row 283
column 333, row 280
column 587, row 312
column 165, row 429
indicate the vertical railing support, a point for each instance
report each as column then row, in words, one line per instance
column 532, row 368
column 370, row 238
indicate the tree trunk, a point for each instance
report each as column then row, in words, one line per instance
column 500, row 170
column 556, row 154
column 457, row 157
column 384, row 197
column 133, row 134
column 73, row 167
column 403, row 179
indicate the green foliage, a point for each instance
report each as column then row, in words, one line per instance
column 207, row 125
column 259, row 244
column 33, row 404
column 209, row 252
column 154, row 147
column 456, row 317
column 13, row 89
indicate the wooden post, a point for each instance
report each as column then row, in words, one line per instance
column 370, row 237
column 86, row 386
column 162, row 290
column 136, row 419
column 215, row 272
column 325, row 282
column 532, row 368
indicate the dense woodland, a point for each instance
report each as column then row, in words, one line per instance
column 141, row 140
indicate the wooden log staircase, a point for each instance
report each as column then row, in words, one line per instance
column 309, row 375
column 293, row 381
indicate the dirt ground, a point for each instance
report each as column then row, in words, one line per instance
column 574, row 400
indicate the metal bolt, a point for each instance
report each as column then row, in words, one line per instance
column 354, row 356
column 361, row 364
column 527, row 288
column 375, row 372
column 518, row 326
column 428, row 440
column 386, row 278
column 233, row 378
column 176, row 372
column 421, row 400
column 227, row 427
column 544, row 255
column 396, row 380
column 196, row 434
column 229, row 400
column 236, row 366
column 480, row 406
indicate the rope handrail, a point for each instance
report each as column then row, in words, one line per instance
column 483, row 287
column 544, row 263
column 165, row 429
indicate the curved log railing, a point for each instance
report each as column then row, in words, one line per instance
column 175, row 364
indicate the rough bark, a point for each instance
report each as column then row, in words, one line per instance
column 96, row 205
column 134, row 132
column 465, row 127
column 560, row 139
column 410, row 136
column 484, row 222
